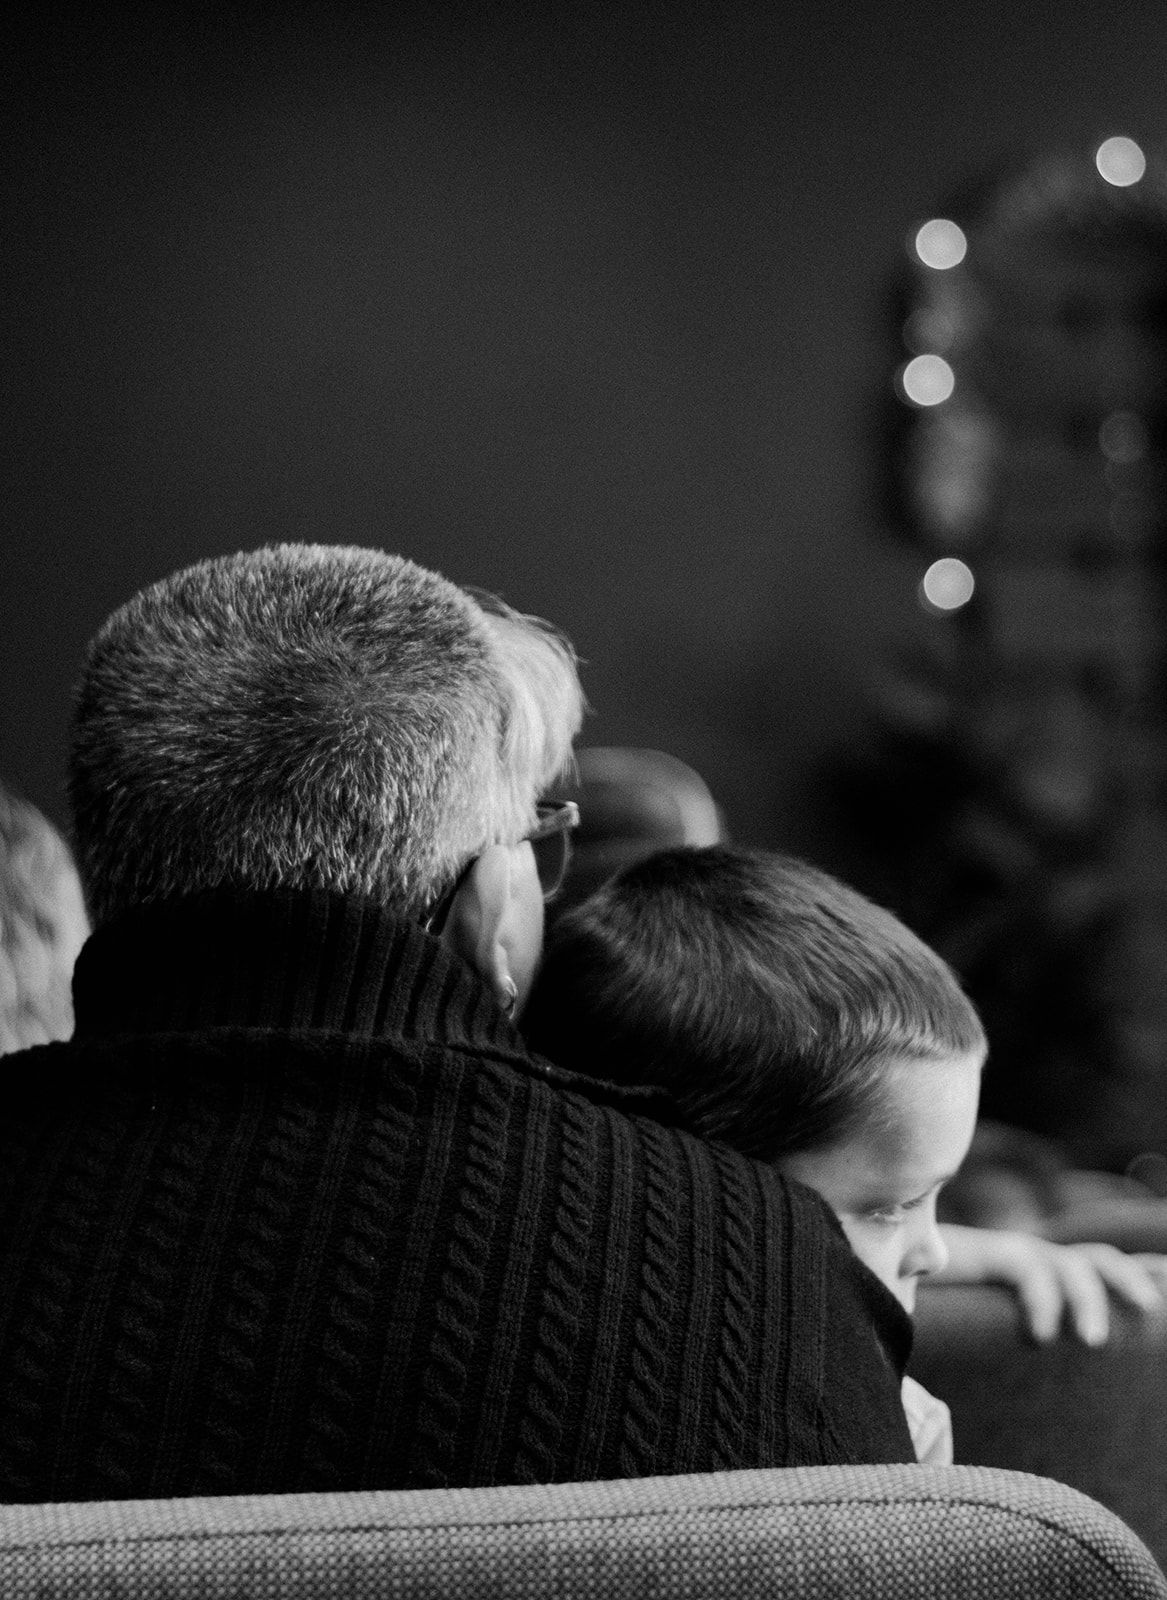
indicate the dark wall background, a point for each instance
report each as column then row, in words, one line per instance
column 587, row 305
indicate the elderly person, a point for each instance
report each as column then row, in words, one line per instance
column 296, row 1209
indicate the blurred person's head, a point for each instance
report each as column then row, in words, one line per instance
column 317, row 717
column 788, row 1017
column 42, row 927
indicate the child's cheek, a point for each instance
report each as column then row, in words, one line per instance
column 876, row 1246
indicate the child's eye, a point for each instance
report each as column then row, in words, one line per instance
column 896, row 1210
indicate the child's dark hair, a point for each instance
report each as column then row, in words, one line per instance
column 763, row 994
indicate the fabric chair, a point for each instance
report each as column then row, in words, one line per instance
column 855, row 1533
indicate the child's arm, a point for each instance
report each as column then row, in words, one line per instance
column 1055, row 1280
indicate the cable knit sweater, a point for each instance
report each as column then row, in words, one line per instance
column 296, row 1210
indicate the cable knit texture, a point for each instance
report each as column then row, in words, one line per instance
column 295, row 1210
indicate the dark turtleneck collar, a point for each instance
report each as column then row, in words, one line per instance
column 281, row 959
column 286, row 959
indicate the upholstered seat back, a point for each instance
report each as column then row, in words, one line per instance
column 855, row 1533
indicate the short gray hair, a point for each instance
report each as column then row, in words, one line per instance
column 311, row 716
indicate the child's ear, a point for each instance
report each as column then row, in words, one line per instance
column 477, row 928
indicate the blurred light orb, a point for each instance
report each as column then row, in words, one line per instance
column 948, row 584
column 941, row 244
column 1122, row 437
column 927, row 380
column 1120, row 161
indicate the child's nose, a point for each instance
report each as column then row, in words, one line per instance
column 928, row 1252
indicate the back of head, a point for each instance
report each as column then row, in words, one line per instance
column 42, row 927
column 765, row 995
column 310, row 717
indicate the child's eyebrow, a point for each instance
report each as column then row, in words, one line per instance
column 878, row 1200
column 946, row 1177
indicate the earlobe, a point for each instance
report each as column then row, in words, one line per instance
column 475, row 929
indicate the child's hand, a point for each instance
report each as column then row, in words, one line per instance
column 1055, row 1280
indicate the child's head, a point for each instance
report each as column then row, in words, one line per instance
column 788, row 1017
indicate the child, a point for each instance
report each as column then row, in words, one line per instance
column 799, row 1023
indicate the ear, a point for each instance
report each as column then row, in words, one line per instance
column 477, row 927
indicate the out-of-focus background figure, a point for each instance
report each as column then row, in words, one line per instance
column 43, row 925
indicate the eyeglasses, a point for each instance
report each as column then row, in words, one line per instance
column 550, row 841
